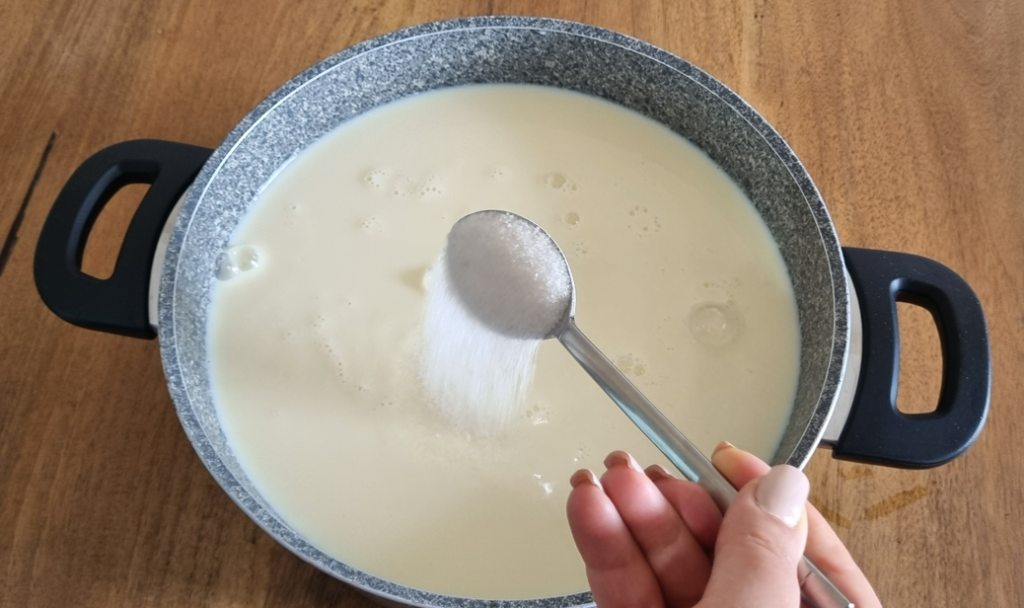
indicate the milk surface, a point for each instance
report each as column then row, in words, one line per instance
column 315, row 339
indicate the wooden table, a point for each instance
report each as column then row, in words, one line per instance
column 909, row 115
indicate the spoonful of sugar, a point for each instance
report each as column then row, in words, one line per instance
column 514, row 279
column 509, row 274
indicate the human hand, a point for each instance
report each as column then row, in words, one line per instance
column 649, row 539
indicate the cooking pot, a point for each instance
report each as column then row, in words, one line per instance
column 846, row 298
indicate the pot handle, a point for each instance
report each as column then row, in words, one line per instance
column 875, row 431
column 117, row 304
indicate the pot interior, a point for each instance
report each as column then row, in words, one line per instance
column 493, row 50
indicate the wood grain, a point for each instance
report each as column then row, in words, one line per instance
column 909, row 115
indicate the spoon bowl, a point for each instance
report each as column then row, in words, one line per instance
column 536, row 295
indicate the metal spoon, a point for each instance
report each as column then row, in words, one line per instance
column 816, row 589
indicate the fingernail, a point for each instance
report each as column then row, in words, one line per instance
column 619, row 458
column 656, row 472
column 721, row 446
column 783, row 493
column 584, row 476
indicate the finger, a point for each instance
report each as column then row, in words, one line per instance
column 833, row 559
column 824, row 548
column 692, row 502
column 761, row 543
column 738, row 466
column 617, row 570
column 678, row 561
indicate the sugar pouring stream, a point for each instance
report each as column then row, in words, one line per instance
column 535, row 297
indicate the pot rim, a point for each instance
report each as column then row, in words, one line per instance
column 180, row 388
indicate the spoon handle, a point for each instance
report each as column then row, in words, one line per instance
column 817, row 590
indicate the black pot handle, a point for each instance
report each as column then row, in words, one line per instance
column 117, row 304
column 875, row 431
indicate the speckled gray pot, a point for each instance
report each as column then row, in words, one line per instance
column 493, row 50
column 846, row 300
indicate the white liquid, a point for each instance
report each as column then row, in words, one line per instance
column 314, row 350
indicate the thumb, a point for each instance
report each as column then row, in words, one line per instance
column 761, row 542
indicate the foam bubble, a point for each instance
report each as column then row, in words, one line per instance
column 372, row 225
column 236, row 260
column 227, row 269
column 631, row 364
column 432, row 187
column 377, row 179
column 714, row 324
column 559, row 182
column 555, row 180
